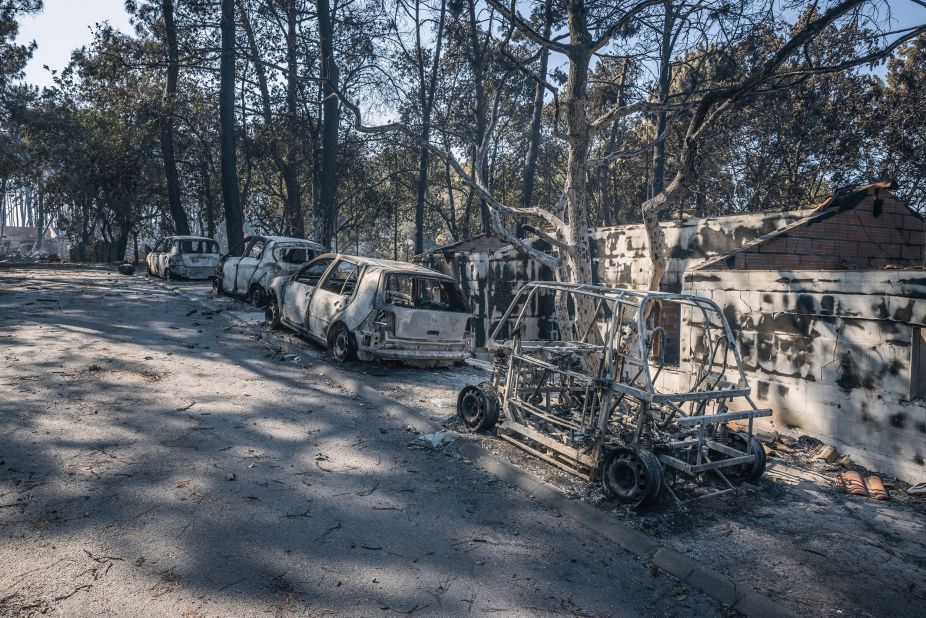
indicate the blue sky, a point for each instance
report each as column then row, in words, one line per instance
column 66, row 25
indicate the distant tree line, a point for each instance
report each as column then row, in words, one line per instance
column 389, row 127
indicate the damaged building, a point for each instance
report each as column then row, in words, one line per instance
column 829, row 306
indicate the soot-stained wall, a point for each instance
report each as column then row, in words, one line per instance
column 490, row 278
column 491, row 274
column 621, row 258
column 832, row 353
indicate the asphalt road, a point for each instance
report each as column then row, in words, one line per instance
column 157, row 460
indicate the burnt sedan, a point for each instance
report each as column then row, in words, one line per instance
column 248, row 271
column 183, row 257
column 369, row 309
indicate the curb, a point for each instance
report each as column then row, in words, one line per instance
column 739, row 597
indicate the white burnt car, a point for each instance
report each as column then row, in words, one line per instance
column 248, row 270
column 374, row 309
column 183, row 257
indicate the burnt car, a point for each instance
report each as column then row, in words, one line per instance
column 369, row 309
column 248, row 271
column 183, row 257
column 591, row 392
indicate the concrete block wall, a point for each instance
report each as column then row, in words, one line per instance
column 831, row 354
column 620, row 253
column 490, row 278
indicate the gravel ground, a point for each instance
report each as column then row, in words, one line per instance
column 158, row 458
column 814, row 550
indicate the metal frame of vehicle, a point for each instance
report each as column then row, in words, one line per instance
column 172, row 263
column 260, row 270
column 595, row 406
column 359, row 322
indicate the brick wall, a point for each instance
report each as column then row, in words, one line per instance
column 877, row 232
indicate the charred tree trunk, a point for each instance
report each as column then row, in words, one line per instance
column 477, row 65
column 604, row 171
column 3, row 182
column 234, row 217
column 208, row 199
column 293, row 218
column 665, row 81
column 327, row 211
column 576, row 265
column 181, row 224
column 427, row 87
column 40, row 218
column 533, row 146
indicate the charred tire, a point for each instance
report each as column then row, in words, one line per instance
column 272, row 313
column 341, row 344
column 258, row 296
column 217, row 288
column 477, row 407
column 632, row 477
column 750, row 472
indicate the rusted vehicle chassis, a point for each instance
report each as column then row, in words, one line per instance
column 602, row 403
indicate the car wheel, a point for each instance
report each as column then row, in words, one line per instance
column 341, row 344
column 258, row 296
column 477, row 406
column 749, row 472
column 632, row 477
column 272, row 313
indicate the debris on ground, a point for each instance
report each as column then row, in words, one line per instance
column 876, row 488
column 437, row 439
column 127, row 269
column 826, row 452
column 851, row 482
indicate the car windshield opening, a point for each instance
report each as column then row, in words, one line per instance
column 199, row 246
column 422, row 292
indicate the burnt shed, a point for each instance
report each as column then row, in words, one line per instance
column 490, row 271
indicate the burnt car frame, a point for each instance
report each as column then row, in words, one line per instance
column 262, row 259
column 369, row 309
column 183, row 257
column 599, row 404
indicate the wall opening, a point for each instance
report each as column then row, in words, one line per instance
column 918, row 364
column 669, row 317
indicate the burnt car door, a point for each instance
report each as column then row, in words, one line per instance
column 163, row 258
column 247, row 264
column 331, row 295
column 152, row 257
column 298, row 293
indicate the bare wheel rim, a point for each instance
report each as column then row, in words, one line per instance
column 271, row 313
column 627, row 477
column 341, row 343
column 472, row 408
